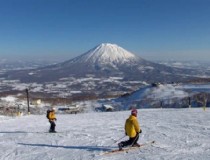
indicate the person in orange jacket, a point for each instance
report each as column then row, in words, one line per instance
column 52, row 119
column 132, row 129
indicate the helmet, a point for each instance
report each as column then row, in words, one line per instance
column 134, row 111
column 53, row 108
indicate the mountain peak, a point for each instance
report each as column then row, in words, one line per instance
column 108, row 53
column 107, row 45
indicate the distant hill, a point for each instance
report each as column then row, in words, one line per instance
column 104, row 60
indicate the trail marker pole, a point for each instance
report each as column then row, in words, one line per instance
column 27, row 95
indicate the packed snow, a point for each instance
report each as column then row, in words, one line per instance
column 178, row 134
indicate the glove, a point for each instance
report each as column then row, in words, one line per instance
column 55, row 119
column 139, row 132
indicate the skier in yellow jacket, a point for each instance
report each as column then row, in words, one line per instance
column 132, row 129
column 52, row 119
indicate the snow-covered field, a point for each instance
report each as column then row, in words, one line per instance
column 179, row 134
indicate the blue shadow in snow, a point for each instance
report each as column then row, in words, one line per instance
column 88, row 148
column 14, row 132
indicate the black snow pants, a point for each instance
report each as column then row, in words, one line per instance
column 131, row 141
column 52, row 125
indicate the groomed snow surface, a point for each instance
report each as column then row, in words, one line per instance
column 179, row 134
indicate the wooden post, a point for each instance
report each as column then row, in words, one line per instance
column 189, row 102
column 27, row 94
column 18, row 110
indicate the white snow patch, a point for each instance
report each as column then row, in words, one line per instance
column 9, row 99
column 166, row 91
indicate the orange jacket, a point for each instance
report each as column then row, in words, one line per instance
column 52, row 115
column 132, row 126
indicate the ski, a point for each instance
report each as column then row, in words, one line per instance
column 127, row 149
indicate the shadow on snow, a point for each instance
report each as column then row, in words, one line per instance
column 13, row 132
column 88, row 148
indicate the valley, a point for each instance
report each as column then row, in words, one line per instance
column 106, row 74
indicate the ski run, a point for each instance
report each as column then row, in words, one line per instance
column 178, row 134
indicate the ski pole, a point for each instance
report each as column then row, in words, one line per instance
column 118, row 140
column 134, row 140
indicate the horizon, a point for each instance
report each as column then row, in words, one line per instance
column 41, row 59
column 59, row 30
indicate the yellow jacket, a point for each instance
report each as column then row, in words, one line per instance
column 52, row 115
column 132, row 126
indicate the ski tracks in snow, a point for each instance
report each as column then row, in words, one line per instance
column 179, row 134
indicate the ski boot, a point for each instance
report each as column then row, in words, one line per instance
column 120, row 146
column 136, row 145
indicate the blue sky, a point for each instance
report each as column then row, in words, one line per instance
column 63, row 29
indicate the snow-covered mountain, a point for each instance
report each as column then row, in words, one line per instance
column 104, row 57
column 105, row 60
column 107, row 53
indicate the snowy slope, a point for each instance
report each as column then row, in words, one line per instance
column 179, row 134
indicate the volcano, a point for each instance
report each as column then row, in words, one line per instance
column 104, row 60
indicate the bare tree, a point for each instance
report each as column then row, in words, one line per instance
column 202, row 98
